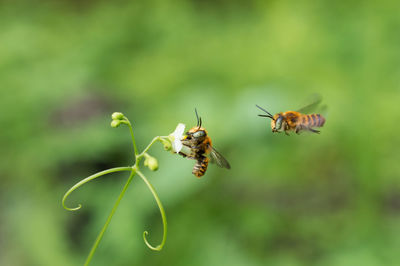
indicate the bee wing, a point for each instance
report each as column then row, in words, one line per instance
column 314, row 101
column 218, row 159
column 323, row 110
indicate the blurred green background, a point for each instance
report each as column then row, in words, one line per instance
column 328, row 199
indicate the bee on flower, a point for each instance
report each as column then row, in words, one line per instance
column 196, row 145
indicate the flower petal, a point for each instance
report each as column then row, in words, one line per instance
column 177, row 137
column 177, row 146
column 178, row 133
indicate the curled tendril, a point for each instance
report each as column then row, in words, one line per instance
column 164, row 219
column 88, row 179
column 119, row 118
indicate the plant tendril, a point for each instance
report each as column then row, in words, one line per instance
column 164, row 219
column 88, row 179
column 119, row 118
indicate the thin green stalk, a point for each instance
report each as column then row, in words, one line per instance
column 158, row 138
column 100, row 236
column 88, row 179
column 133, row 136
column 163, row 216
column 155, row 139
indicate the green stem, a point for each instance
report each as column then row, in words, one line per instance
column 133, row 136
column 155, row 139
column 158, row 138
column 88, row 179
column 164, row 219
column 100, row 236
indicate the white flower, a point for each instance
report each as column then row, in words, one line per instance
column 176, row 138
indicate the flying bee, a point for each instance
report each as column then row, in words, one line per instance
column 200, row 149
column 295, row 120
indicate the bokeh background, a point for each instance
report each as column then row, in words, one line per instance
column 329, row 199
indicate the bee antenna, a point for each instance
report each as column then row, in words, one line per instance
column 198, row 118
column 269, row 114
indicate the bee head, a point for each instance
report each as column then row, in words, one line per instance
column 197, row 133
column 276, row 122
column 273, row 118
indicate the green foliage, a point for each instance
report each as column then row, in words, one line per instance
column 328, row 199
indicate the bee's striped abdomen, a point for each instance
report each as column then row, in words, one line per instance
column 200, row 166
column 321, row 120
column 313, row 120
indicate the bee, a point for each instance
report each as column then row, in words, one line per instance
column 200, row 149
column 295, row 120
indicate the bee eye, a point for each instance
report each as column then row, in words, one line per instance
column 278, row 123
column 198, row 134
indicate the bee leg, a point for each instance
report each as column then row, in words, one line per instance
column 314, row 131
column 191, row 157
column 187, row 156
column 298, row 130
column 285, row 128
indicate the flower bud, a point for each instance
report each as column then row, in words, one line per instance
column 115, row 123
column 117, row 116
column 151, row 163
column 167, row 144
